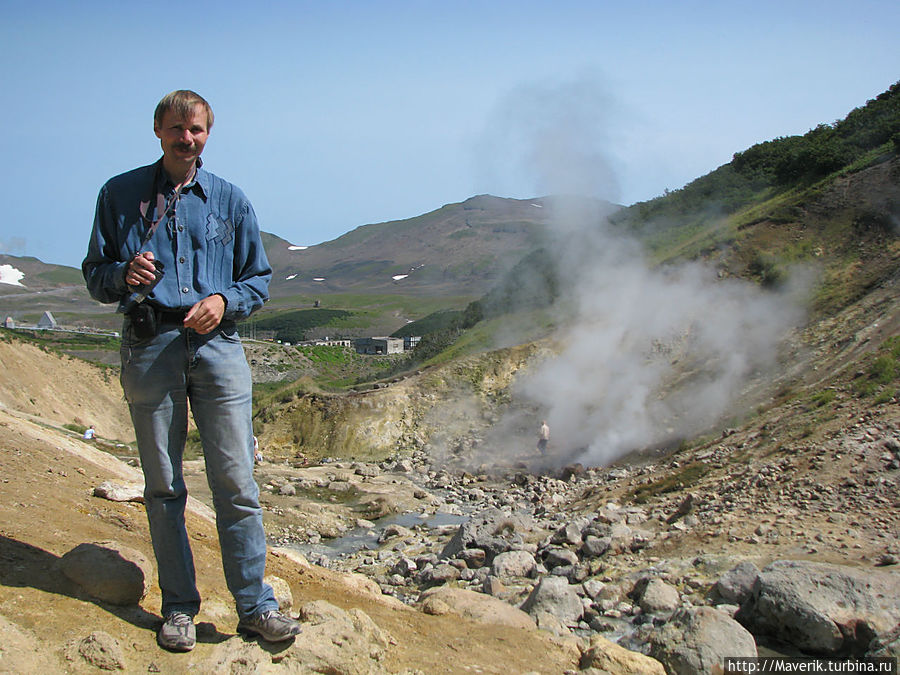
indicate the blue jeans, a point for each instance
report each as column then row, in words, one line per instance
column 159, row 376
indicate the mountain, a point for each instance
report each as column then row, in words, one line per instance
column 459, row 249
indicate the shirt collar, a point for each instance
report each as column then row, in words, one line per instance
column 199, row 184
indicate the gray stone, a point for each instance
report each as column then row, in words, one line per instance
column 659, row 597
column 697, row 640
column 492, row 531
column 594, row 547
column 513, row 564
column 473, row 557
column 439, row 574
column 568, row 534
column 557, row 556
column 287, row 490
column 824, row 608
column 555, row 596
column 109, row 571
column 735, row 585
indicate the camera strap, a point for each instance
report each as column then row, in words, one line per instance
column 165, row 208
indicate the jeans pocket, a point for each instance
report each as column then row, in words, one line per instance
column 229, row 332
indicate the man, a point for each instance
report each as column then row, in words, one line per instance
column 181, row 345
column 543, row 437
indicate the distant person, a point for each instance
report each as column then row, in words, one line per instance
column 257, row 455
column 543, row 438
column 90, row 433
column 179, row 249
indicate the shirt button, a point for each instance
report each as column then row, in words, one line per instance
column 181, row 259
column 181, row 228
column 185, row 289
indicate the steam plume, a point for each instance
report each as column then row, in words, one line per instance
column 648, row 354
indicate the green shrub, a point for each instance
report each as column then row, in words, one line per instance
column 823, row 398
column 686, row 477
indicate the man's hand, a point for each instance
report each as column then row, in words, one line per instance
column 140, row 270
column 206, row 314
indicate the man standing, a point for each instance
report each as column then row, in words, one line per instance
column 179, row 249
column 543, row 438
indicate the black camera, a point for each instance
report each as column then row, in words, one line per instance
column 141, row 292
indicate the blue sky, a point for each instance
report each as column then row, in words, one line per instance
column 334, row 114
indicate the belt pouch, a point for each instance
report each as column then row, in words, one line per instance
column 143, row 321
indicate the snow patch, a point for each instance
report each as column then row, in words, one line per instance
column 398, row 277
column 297, row 248
column 10, row 275
column 293, row 276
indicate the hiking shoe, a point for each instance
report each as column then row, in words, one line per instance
column 178, row 633
column 271, row 626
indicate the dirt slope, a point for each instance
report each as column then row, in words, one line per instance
column 63, row 390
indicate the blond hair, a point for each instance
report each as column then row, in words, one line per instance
column 181, row 102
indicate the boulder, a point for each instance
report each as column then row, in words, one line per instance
column 567, row 534
column 513, row 564
column 557, row 556
column 735, row 585
column 823, row 608
column 658, row 597
column 109, row 571
column 555, row 596
column 697, row 640
column 492, row 531
column 609, row 657
column 283, row 595
column 594, row 547
column 332, row 641
column 476, row 606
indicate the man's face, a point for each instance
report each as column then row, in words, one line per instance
column 182, row 139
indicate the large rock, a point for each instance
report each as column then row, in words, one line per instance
column 283, row 595
column 658, row 597
column 513, row 564
column 697, row 640
column 492, row 531
column 558, row 556
column 823, row 608
column 475, row 606
column 555, row 596
column 608, row 657
column 737, row 583
column 109, row 571
column 332, row 641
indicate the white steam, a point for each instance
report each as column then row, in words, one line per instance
column 648, row 355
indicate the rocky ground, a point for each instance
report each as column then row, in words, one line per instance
column 778, row 536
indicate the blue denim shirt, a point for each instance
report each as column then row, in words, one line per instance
column 211, row 244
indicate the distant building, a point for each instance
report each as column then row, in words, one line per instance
column 9, row 323
column 47, row 321
column 379, row 345
column 411, row 342
column 332, row 343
